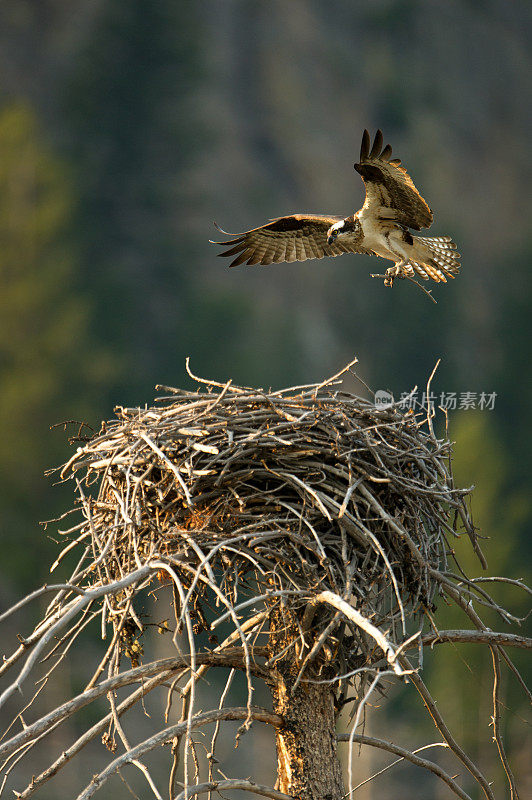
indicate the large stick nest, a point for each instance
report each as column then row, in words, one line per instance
column 278, row 496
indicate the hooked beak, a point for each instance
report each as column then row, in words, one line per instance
column 331, row 237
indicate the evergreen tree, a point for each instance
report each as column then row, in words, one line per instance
column 131, row 110
column 47, row 366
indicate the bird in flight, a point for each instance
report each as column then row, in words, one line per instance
column 392, row 206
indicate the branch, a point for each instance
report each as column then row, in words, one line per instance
column 55, row 587
column 139, row 673
column 356, row 617
column 166, row 665
column 219, row 786
column 89, row 735
column 438, row 720
column 396, row 526
column 476, row 637
column 88, row 597
column 501, row 579
column 168, row 733
column 496, row 723
column 468, row 609
column 382, row 744
column 170, row 466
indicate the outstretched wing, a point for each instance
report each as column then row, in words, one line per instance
column 390, row 192
column 293, row 238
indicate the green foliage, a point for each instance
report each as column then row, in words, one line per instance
column 47, row 366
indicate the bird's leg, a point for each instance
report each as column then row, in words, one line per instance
column 394, row 272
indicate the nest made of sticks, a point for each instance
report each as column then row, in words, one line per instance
column 264, row 499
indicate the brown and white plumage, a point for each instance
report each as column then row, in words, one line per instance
column 390, row 191
column 293, row 238
column 380, row 227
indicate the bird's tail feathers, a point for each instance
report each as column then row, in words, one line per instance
column 438, row 258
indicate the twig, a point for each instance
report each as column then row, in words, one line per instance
column 225, row 785
column 445, row 732
column 89, row 597
column 169, row 732
column 54, row 587
column 360, row 707
column 171, row 466
column 356, row 617
column 232, row 659
column 477, row 637
column 496, row 723
column 412, row 280
column 431, row 766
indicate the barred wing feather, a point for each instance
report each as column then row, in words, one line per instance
column 296, row 237
column 390, row 191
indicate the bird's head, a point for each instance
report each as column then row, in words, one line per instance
column 335, row 231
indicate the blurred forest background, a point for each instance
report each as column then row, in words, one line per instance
column 126, row 128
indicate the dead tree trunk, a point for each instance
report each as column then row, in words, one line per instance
column 307, row 757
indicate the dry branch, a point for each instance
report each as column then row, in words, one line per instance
column 431, row 766
column 169, row 732
column 225, row 785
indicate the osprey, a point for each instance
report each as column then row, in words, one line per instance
column 380, row 227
